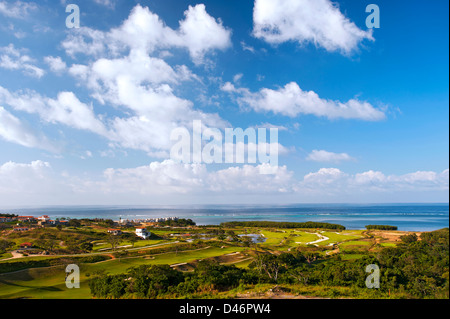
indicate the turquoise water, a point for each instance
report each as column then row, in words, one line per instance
column 408, row 217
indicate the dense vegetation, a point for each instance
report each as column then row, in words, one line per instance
column 381, row 227
column 283, row 225
column 414, row 269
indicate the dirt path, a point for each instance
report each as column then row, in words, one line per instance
column 15, row 254
column 322, row 238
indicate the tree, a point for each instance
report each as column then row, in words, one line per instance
column 247, row 241
column 300, row 275
column 86, row 246
column 4, row 245
column 114, row 241
column 133, row 239
column 310, row 256
column 270, row 264
column 409, row 238
column 74, row 223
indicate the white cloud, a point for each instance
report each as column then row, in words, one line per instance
column 237, row 77
column 24, row 179
column 66, row 109
column 15, row 131
column 292, row 101
column 18, row 9
column 13, row 59
column 168, row 177
column 316, row 21
column 324, row 178
column 56, row 64
column 171, row 181
column 247, row 47
column 142, row 86
column 328, row 157
column 269, row 126
column 107, row 3
column 199, row 33
column 250, row 179
column 333, row 180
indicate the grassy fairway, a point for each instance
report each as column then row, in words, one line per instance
column 103, row 246
column 335, row 237
column 287, row 238
column 49, row 282
column 300, row 237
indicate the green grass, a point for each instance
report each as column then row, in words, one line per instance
column 335, row 237
column 103, row 246
column 356, row 243
column 49, row 282
column 388, row 245
column 351, row 256
column 294, row 237
column 5, row 255
column 273, row 238
column 303, row 237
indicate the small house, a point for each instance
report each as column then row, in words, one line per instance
column 44, row 218
column 26, row 245
column 143, row 233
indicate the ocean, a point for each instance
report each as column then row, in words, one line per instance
column 407, row 217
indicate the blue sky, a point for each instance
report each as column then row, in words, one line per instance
column 86, row 114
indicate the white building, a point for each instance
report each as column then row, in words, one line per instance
column 143, row 233
column 44, row 218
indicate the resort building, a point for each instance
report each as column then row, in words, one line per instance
column 26, row 218
column 143, row 233
column 7, row 219
column 44, row 218
column 26, row 245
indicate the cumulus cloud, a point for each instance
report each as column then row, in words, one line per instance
column 333, row 179
column 328, row 157
column 17, row 9
column 292, row 101
column 315, row 21
column 133, row 77
column 170, row 179
column 24, row 179
column 14, row 130
column 66, row 109
column 13, row 59
column 199, row 33
column 56, row 64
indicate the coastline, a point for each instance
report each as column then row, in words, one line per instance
column 407, row 217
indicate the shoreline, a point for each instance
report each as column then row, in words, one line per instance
column 421, row 217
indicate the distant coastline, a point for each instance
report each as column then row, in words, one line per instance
column 407, row 217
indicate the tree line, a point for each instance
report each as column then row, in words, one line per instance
column 381, row 227
column 267, row 224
